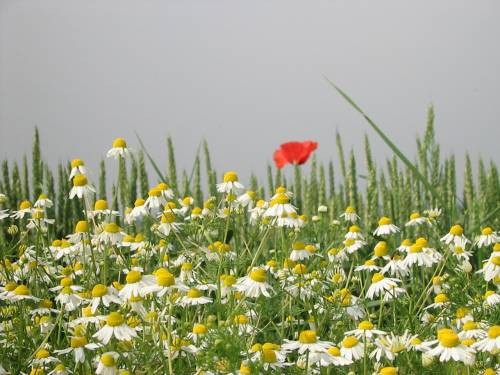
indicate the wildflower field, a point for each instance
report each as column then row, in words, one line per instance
column 198, row 272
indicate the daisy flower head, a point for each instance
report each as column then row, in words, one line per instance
column 365, row 329
column 279, row 206
column 416, row 219
column 308, row 341
column 354, row 233
column 382, row 285
column 247, row 199
column 78, row 344
column 456, row 234
column 81, row 188
column 101, row 294
column 385, row 227
column 254, row 284
column 491, row 267
column 449, row 348
column 136, row 285
column 25, row 208
column 21, row 293
column 416, row 255
column 194, row 297
column 330, row 357
column 487, row 238
column 230, row 183
column 77, row 167
column 107, row 364
column 350, row 214
column 491, row 343
column 351, row 348
column 111, row 234
column 300, row 251
column 118, row 149
column 43, row 201
column 271, row 355
column 101, row 209
column 115, row 326
column 491, row 298
column 168, row 224
column 471, row 330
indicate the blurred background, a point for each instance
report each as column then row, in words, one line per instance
column 246, row 76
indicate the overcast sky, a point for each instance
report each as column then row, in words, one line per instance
column 246, row 75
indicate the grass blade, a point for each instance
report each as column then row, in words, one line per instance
column 391, row 144
column 155, row 166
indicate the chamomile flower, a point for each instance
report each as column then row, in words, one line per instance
column 449, row 348
column 168, row 224
column 230, row 183
column 78, row 344
column 136, row 285
column 308, row 341
column 107, row 364
column 351, row 245
column 491, row 298
column 416, row 219
column 118, row 149
column 491, row 267
column 354, row 233
column 330, row 357
column 81, row 188
column 385, row 227
column 101, row 209
column 279, row 206
column 25, row 208
column 299, row 251
column 43, row 201
column 102, row 294
column 115, row 326
column 257, row 212
column 456, row 234
column 382, row 285
column 369, row 265
column 247, row 199
column 271, row 355
column 21, row 293
column 417, row 256
column 472, row 330
column 351, row 348
column 155, row 201
column 337, row 256
column 491, row 343
column 487, row 237
column 255, row 284
column 77, row 167
column 350, row 214
column 194, row 297
column 365, row 329
column 165, row 283
column 111, row 234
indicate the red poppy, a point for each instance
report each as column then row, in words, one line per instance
column 294, row 153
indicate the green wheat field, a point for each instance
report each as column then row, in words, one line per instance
column 198, row 272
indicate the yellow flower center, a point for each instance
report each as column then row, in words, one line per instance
column 66, row 282
column 101, row 205
column 298, row 245
column 24, row 205
column 300, row 269
column 168, row 217
column 194, row 293
column 240, row 319
column 377, row 277
column 354, row 229
column 99, row 290
column 456, row 230
column 165, row 279
column 21, row 290
column 416, row 249
column 308, row 337
column 334, row 351
column 384, row 221
column 38, row 214
column 119, row 143
column 199, row 329
column 269, row 356
column 494, row 332
column 388, row 371
column 469, row 326
column 415, row 341
column 280, row 190
column 108, row 360
column 365, row 325
column 187, row 266
column 196, row 211
column 77, row 163
column 406, row 242
column 349, row 242
column 42, row 353
column 381, row 249
column 458, row 249
column 115, row 319
column 496, row 247
column 448, row 338
column 81, row 227
column 280, row 199
column 350, row 342
column 461, row 312
column 370, row 262
column 56, row 243
column 414, row 215
column 258, row 275
column 112, row 228
column 487, row 231
column 80, row 180
column 155, row 192
column 230, row 176
column 350, row 210
column 133, row 277
column 441, row 298
column 421, row 242
column 229, row 280
column 45, row 303
column 78, row 341
column 496, row 260
column 245, row 369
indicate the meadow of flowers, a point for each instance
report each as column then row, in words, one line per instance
column 307, row 275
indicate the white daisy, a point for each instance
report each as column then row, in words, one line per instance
column 193, row 297
column 491, row 343
column 255, row 284
column 118, row 149
column 351, row 348
column 77, row 167
column 487, row 238
column 449, row 348
column 230, row 184
column 350, row 215
column 308, row 341
column 381, row 284
column 385, row 227
column 81, row 188
column 117, row 327
column 136, row 285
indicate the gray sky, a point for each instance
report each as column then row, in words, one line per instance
column 246, row 75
